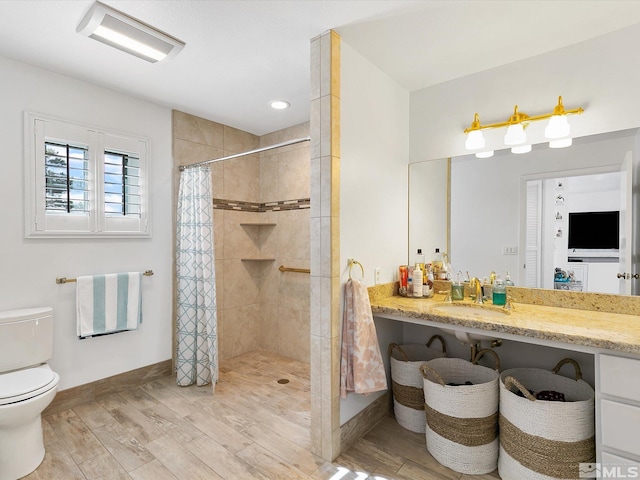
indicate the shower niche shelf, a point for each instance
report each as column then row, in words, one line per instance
column 258, row 232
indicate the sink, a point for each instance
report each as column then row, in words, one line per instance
column 473, row 310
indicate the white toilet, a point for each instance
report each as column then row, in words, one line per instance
column 27, row 387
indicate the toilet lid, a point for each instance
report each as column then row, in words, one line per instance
column 23, row 384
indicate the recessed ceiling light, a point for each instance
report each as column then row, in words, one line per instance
column 279, row 104
column 128, row 34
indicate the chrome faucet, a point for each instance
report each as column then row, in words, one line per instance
column 475, row 284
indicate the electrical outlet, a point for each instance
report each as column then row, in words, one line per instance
column 510, row 250
column 377, row 272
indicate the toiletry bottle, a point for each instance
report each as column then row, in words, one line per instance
column 499, row 292
column 420, row 259
column 417, row 281
column 427, row 281
column 437, row 263
column 445, row 272
column 402, row 279
column 430, row 280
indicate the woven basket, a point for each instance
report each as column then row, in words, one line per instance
column 408, row 394
column 462, row 421
column 544, row 439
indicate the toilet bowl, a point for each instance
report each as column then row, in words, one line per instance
column 26, row 388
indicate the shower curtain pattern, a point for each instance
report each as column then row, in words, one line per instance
column 197, row 355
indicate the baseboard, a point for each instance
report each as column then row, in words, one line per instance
column 72, row 397
column 364, row 421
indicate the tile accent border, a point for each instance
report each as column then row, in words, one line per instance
column 278, row 206
column 74, row 396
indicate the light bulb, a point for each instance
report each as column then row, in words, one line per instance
column 515, row 135
column 279, row 104
column 486, row 154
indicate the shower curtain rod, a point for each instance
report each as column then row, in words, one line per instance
column 250, row 152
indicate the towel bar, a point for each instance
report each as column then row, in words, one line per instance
column 60, row 280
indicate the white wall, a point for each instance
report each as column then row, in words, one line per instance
column 374, row 131
column 601, row 75
column 29, row 266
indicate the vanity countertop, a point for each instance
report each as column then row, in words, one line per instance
column 602, row 330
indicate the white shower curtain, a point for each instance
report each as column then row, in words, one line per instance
column 197, row 358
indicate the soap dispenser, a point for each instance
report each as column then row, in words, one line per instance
column 499, row 292
column 508, row 282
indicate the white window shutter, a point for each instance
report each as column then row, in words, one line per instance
column 533, row 234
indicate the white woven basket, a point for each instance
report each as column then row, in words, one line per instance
column 540, row 439
column 408, row 394
column 462, row 420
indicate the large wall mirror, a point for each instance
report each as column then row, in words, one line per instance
column 552, row 218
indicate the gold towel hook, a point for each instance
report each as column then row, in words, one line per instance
column 351, row 262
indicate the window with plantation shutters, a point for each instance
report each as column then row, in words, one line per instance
column 121, row 184
column 66, row 170
column 84, row 181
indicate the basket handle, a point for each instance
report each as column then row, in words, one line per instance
column 438, row 337
column 510, row 382
column 564, row 361
column 481, row 353
column 426, row 370
column 395, row 346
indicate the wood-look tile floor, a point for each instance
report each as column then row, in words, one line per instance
column 252, row 428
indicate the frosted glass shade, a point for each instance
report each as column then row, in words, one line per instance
column 562, row 143
column 475, row 140
column 515, row 135
column 486, row 154
column 558, row 127
column 521, row 149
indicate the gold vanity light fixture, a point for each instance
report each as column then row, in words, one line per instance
column 557, row 130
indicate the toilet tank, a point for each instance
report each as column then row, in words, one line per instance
column 26, row 337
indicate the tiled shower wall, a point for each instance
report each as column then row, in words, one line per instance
column 259, row 307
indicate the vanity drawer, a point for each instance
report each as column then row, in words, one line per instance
column 619, row 376
column 620, row 424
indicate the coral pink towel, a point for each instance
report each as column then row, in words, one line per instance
column 361, row 369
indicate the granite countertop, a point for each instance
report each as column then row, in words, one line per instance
column 598, row 329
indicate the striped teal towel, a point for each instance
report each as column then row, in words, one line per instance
column 108, row 303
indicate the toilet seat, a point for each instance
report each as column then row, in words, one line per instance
column 22, row 385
